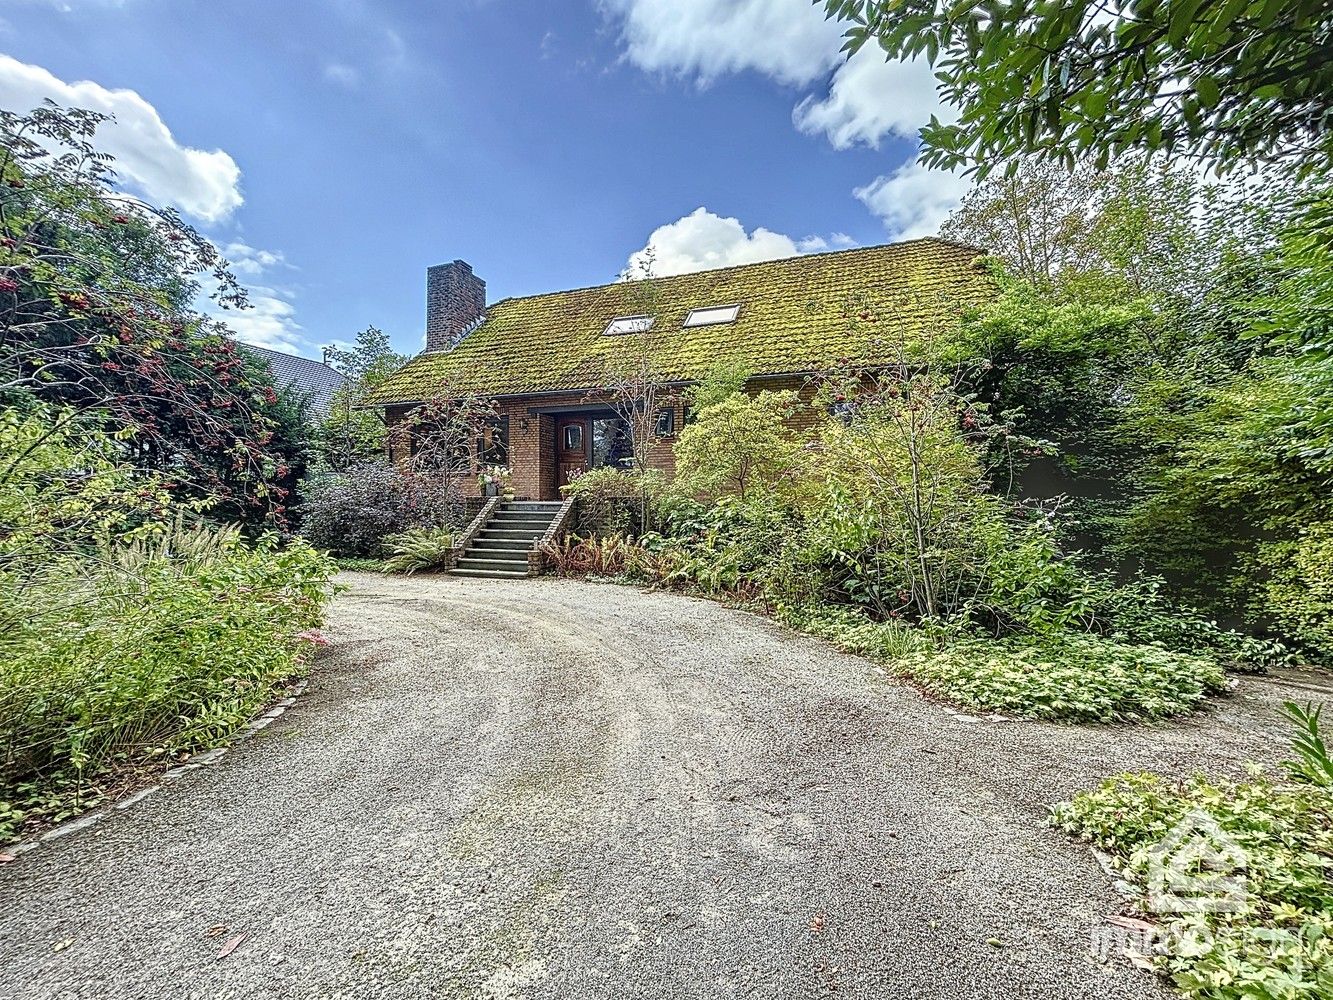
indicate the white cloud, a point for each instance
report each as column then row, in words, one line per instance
column 245, row 259
column 792, row 42
column 819, row 244
column 269, row 322
column 343, row 75
column 870, row 98
column 867, row 98
column 703, row 240
column 203, row 184
column 913, row 200
column 788, row 40
column 271, row 319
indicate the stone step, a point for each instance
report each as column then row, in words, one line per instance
column 484, row 553
column 492, row 574
column 528, row 535
column 511, row 521
column 475, row 562
column 532, row 506
column 499, row 545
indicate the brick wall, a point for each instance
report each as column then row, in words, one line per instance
column 395, row 439
column 455, row 299
column 806, row 416
column 532, row 455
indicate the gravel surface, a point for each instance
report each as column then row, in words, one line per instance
column 543, row 788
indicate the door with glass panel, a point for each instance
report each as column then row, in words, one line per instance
column 572, row 444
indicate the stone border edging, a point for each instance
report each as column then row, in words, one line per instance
column 202, row 759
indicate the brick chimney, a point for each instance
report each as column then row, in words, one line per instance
column 455, row 300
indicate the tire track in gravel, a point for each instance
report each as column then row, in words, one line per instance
column 542, row 788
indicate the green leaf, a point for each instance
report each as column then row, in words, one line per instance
column 1209, row 92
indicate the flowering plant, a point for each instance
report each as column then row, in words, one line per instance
column 497, row 478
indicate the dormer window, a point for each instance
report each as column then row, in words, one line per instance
column 628, row 324
column 712, row 316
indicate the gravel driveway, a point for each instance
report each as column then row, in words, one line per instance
column 553, row 789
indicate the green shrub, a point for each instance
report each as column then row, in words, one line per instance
column 1081, row 678
column 1033, row 587
column 727, row 546
column 1280, row 944
column 1298, row 591
column 739, row 445
column 419, row 548
column 1063, row 675
column 145, row 654
column 1138, row 611
column 352, row 513
column 125, row 635
column 897, row 517
column 613, row 501
column 856, row 632
column 726, row 377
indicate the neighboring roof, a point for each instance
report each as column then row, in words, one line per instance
column 313, row 382
column 796, row 316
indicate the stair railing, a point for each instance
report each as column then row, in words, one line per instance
column 462, row 541
column 537, row 554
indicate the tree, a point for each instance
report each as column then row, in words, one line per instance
column 634, row 378
column 738, row 445
column 1234, row 82
column 725, row 378
column 1142, row 222
column 441, row 435
column 904, row 510
column 97, row 317
column 1237, row 479
column 1122, row 286
column 353, row 433
column 1036, row 220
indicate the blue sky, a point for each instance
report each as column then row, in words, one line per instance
column 336, row 148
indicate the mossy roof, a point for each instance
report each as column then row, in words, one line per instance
column 797, row 315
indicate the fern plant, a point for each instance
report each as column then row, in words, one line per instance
column 418, row 549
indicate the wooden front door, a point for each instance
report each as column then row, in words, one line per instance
column 572, row 441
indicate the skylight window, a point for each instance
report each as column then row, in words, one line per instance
column 712, row 316
column 628, row 324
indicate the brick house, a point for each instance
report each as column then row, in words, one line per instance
column 547, row 360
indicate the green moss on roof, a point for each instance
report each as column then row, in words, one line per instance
column 797, row 315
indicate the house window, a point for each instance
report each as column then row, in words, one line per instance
column 612, row 443
column 712, row 315
column 842, row 411
column 493, row 444
column 437, row 446
column 628, row 324
column 573, row 437
column 666, row 421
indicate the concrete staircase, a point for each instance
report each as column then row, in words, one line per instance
column 501, row 547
